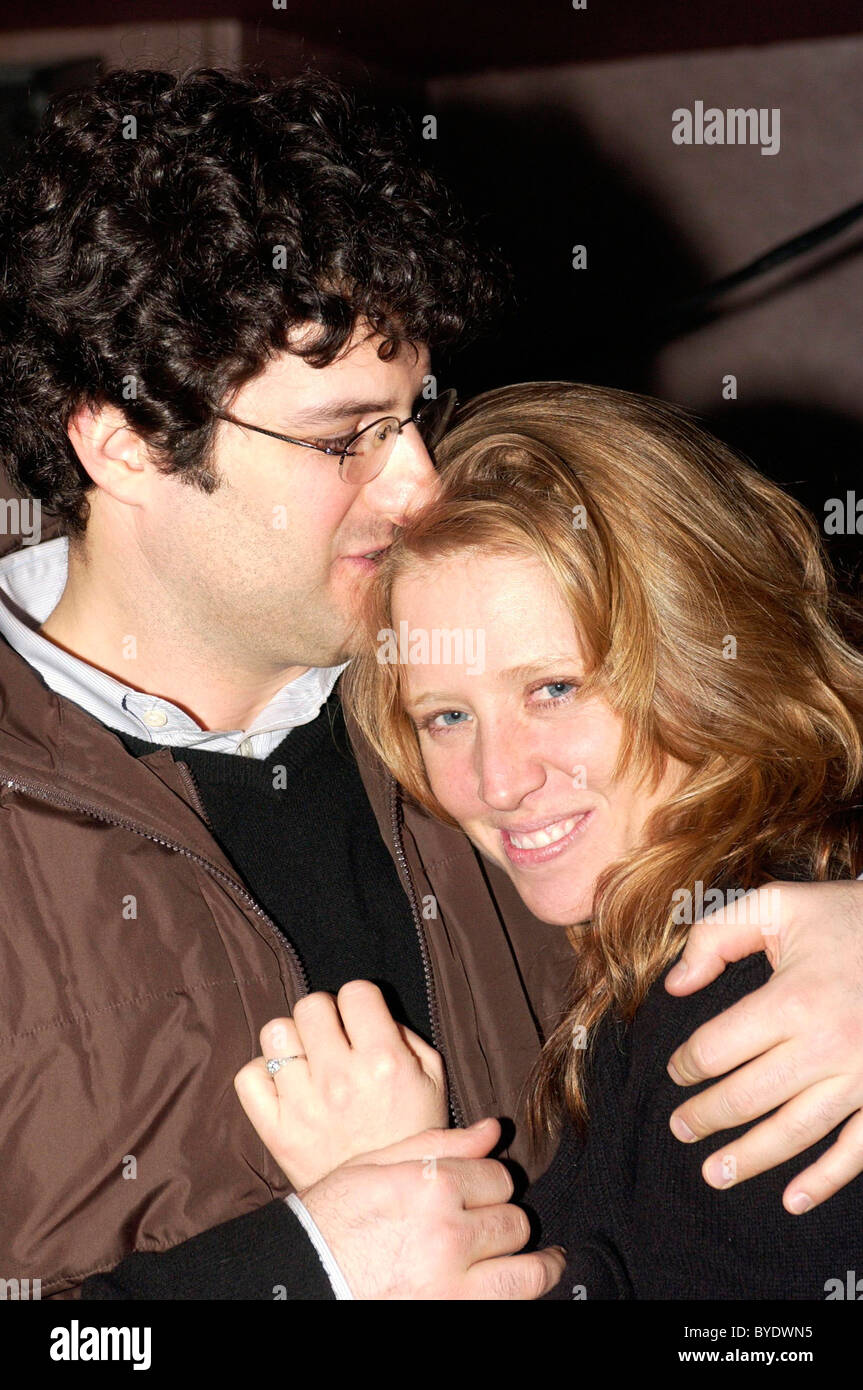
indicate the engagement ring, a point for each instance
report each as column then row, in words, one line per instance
column 275, row 1063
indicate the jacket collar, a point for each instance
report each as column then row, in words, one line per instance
column 53, row 749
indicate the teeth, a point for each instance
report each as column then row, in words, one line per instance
column 540, row 838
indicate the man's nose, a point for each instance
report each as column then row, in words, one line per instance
column 407, row 483
column 508, row 771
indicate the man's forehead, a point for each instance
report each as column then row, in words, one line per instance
column 358, row 374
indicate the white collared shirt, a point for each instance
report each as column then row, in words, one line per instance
column 32, row 580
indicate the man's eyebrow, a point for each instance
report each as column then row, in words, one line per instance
column 339, row 410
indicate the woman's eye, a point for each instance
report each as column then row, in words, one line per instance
column 457, row 716
column 559, row 691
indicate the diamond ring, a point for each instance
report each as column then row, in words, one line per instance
column 276, row 1063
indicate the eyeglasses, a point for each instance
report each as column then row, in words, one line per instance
column 363, row 456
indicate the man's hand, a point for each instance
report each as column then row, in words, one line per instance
column 796, row 1043
column 353, row 1080
column 430, row 1218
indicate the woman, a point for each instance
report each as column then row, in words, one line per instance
column 609, row 653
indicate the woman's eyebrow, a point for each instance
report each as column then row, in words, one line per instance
column 533, row 668
column 428, row 697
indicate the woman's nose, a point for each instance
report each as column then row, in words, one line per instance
column 508, row 771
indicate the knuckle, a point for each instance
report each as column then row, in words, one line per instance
column 797, row 1129
column 382, row 1064
column 276, row 1026
column 519, row 1227
column 704, row 932
column 518, row 1280
column 828, row 1112
column 336, row 1091
column 433, row 1064
column 432, row 1139
column 357, row 989
column 446, row 1189
column 310, row 1003
column 693, row 1119
column 446, row 1247
column 507, row 1228
column 535, row 1277
column 697, row 1056
column 730, row 1105
column 850, row 1148
column 796, row 1006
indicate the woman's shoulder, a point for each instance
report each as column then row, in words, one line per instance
column 668, row 1019
column 638, row 1188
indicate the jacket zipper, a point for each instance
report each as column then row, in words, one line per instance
column 431, row 992
column 60, row 799
column 187, row 777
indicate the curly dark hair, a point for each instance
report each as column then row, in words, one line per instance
column 139, row 261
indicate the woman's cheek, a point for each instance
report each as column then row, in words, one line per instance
column 589, row 753
column 449, row 771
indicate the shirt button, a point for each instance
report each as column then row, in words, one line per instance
column 155, row 718
column 245, row 748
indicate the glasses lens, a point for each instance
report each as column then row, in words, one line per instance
column 433, row 419
column 370, row 451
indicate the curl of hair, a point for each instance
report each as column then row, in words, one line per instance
column 144, row 233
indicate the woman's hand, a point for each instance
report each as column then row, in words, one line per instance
column 356, row 1081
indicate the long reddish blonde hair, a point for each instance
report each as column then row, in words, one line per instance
column 702, row 596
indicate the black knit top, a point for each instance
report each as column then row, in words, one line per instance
column 629, row 1203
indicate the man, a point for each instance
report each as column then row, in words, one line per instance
column 219, row 301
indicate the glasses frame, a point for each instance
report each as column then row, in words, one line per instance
column 450, row 397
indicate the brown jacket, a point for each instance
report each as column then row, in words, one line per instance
column 137, row 971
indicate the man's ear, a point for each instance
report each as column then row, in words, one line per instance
column 112, row 454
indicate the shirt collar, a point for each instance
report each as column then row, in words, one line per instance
column 32, row 580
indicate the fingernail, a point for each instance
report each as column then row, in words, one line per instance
column 477, row 1124
column 721, row 1171
column 677, row 972
column 680, row 1129
column 675, row 1074
column 799, row 1203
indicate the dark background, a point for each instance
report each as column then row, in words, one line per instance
column 554, row 126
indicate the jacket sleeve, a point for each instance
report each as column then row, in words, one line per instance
column 263, row 1255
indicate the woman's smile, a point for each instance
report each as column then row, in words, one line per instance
column 532, row 849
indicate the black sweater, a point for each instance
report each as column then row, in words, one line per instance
column 300, row 832
column 630, row 1206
